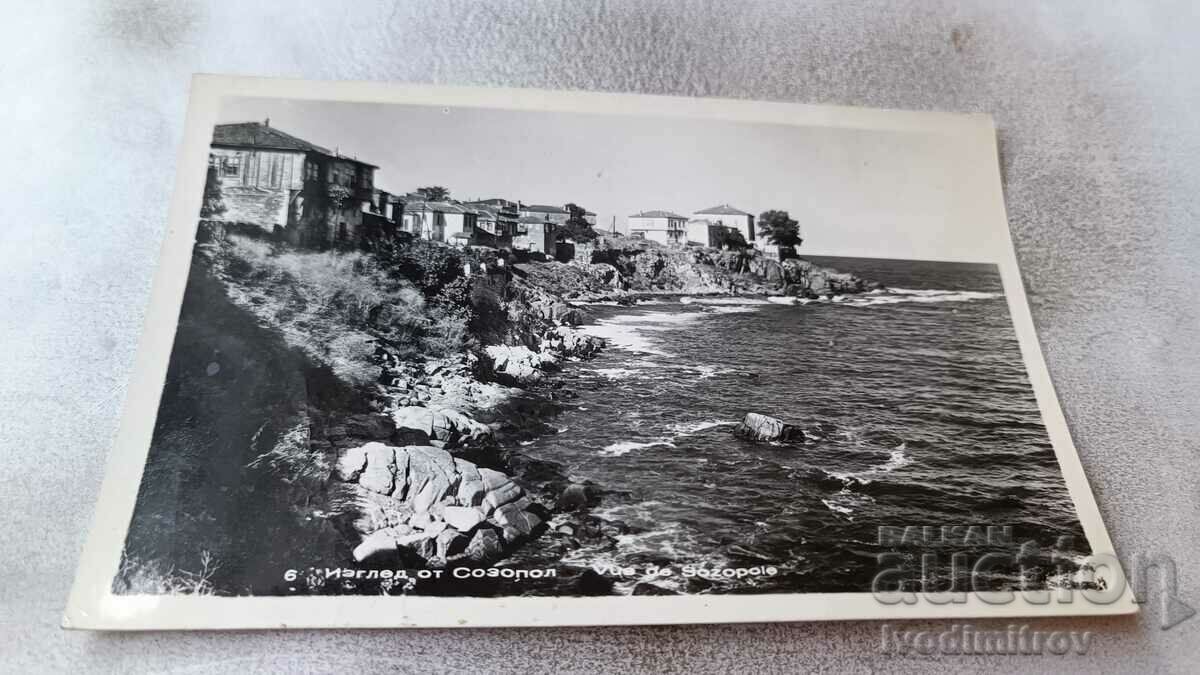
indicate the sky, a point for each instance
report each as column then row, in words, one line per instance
column 855, row 192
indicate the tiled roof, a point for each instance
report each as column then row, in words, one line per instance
column 542, row 208
column 495, row 201
column 723, row 210
column 259, row 135
column 531, row 220
column 657, row 214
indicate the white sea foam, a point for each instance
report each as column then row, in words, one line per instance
column 846, row 502
column 624, row 337
column 615, row 373
column 730, row 301
column 893, row 296
column 625, row 447
column 656, row 317
column 628, row 331
column 685, row 428
column 896, row 459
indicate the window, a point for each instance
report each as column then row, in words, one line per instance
column 311, row 171
column 231, row 166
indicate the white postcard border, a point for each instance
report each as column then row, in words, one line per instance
column 92, row 605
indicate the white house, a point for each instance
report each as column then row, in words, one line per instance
column 703, row 232
column 440, row 221
column 729, row 216
column 426, row 220
column 664, row 227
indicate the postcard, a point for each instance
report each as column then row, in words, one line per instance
column 421, row 356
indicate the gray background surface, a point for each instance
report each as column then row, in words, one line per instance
column 1097, row 109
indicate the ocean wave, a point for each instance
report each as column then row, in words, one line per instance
column 893, row 296
column 625, row 447
column 847, row 502
column 614, row 373
column 624, row 337
column 735, row 301
column 896, row 459
column 655, row 317
column 685, row 428
column 732, row 309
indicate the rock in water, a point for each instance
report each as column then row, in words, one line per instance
column 759, row 427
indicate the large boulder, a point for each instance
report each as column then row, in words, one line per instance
column 418, row 425
column 759, row 427
column 418, row 503
column 520, row 365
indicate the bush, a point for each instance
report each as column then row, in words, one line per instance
column 429, row 266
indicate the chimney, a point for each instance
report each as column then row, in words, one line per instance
column 267, row 122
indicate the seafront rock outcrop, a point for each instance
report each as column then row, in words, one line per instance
column 759, row 427
column 440, row 426
column 420, row 504
column 571, row 343
column 520, row 364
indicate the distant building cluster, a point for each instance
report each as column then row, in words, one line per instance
column 317, row 197
column 711, row 227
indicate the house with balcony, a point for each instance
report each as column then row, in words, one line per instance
column 728, row 216
column 665, row 227
column 287, row 186
column 508, row 213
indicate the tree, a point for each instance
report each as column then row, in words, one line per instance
column 214, row 203
column 728, row 237
column 576, row 227
column 779, row 228
column 434, row 193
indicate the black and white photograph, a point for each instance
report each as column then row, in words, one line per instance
column 473, row 351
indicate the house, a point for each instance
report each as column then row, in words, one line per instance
column 487, row 230
column 729, row 216
column 381, row 216
column 425, row 220
column 704, row 232
column 535, row 234
column 448, row 222
column 283, row 184
column 507, row 214
column 554, row 214
column 590, row 218
column 664, row 227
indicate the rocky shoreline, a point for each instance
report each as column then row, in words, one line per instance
column 408, row 499
column 430, row 474
column 440, row 489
